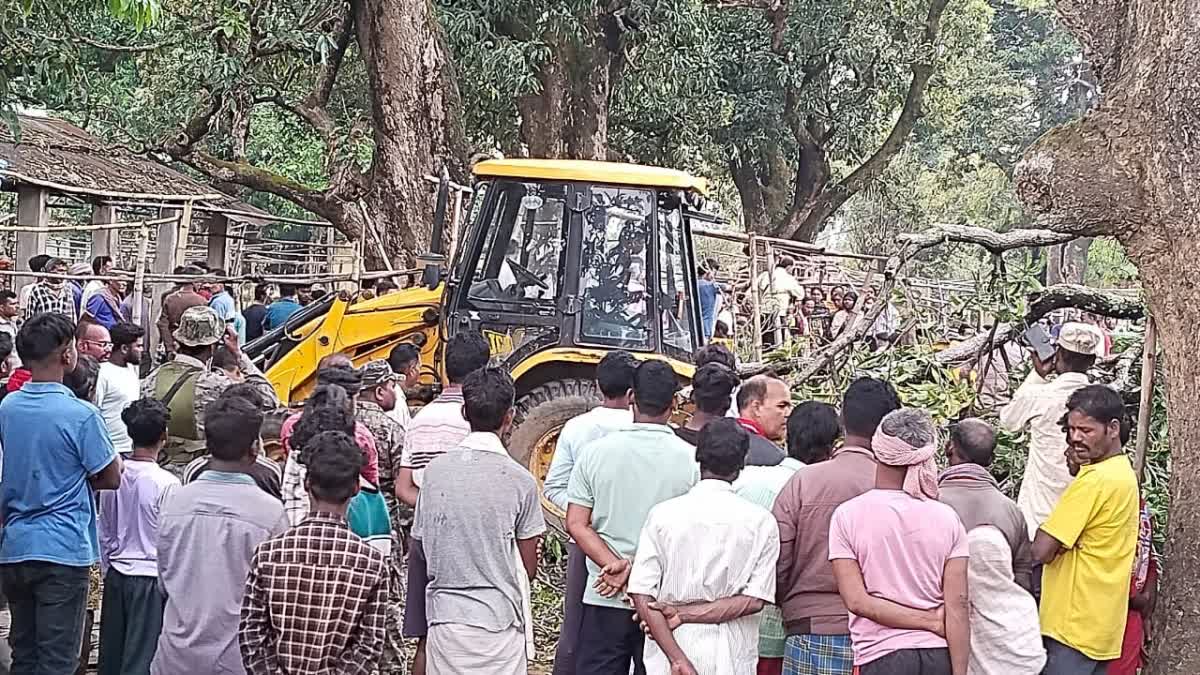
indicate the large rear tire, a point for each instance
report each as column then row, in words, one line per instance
column 538, row 418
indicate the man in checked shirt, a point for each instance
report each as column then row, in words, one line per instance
column 316, row 597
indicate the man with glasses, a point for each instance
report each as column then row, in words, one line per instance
column 94, row 340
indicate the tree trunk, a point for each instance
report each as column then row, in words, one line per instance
column 1129, row 169
column 1067, row 263
column 544, row 114
column 416, row 117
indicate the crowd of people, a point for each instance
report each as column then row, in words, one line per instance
column 760, row 536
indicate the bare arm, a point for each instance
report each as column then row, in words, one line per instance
column 406, row 489
column 614, row 570
column 1045, row 547
column 1023, row 561
column 720, row 611
column 853, row 590
column 958, row 624
column 529, row 555
column 109, row 478
column 660, row 631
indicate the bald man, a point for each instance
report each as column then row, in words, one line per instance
column 969, row 488
column 93, row 339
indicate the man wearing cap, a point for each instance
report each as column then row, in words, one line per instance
column 186, row 385
column 175, row 304
column 1040, row 404
column 375, row 400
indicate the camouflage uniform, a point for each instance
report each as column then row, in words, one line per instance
column 389, row 441
column 198, row 326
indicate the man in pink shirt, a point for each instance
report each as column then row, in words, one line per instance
column 900, row 560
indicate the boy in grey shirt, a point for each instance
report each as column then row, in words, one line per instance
column 478, row 521
column 207, row 533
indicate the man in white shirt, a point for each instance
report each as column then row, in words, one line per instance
column 117, row 385
column 777, row 289
column 705, row 567
column 405, row 360
column 1040, row 403
column 614, row 376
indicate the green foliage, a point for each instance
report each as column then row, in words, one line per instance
column 1108, row 266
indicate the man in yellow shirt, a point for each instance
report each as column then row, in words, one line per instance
column 1088, row 542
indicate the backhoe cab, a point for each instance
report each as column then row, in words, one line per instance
column 558, row 263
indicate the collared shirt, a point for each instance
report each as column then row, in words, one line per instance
column 477, row 503
column 104, row 309
column 401, row 414
column 117, row 387
column 266, row 473
column 129, row 519
column 1040, row 405
column 89, row 289
column 760, row 485
column 620, row 477
column 707, row 545
column 1085, row 589
column 295, row 496
column 763, row 452
column 222, row 303
column 45, row 298
column 436, row 428
column 315, row 602
column 279, row 312
column 577, row 433
column 207, row 533
column 53, row 442
column 173, row 307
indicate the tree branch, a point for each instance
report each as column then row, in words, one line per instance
column 1082, row 297
column 994, row 242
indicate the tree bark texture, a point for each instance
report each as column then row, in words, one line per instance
column 1067, row 263
column 416, row 118
column 1129, row 168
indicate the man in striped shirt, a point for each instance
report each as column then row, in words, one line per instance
column 436, row 429
column 705, row 567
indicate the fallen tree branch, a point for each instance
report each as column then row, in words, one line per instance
column 994, row 242
column 1087, row 299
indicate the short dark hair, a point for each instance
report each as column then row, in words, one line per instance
column 217, row 272
column 99, row 262
column 850, row 294
column 402, row 356
column 466, row 353
column 224, row 359
column 6, row 346
column 785, row 261
column 125, row 333
column 6, row 295
column 333, row 462
column 654, row 387
column 247, row 391
column 722, row 446
column 287, row 289
column 1075, row 362
column 231, row 426
column 1099, row 402
column 866, row 402
column 812, row 429
column 328, row 408
column 385, row 284
column 712, row 388
column 975, row 440
column 261, row 291
column 42, row 335
column 714, row 352
column 178, row 270
column 52, row 263
column 614, row 373
column 488, row 395
column 146, row 420
column 349, row 379
column 38, row 262
column 82, row 380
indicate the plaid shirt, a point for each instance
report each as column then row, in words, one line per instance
column 45, row 298
column 315, row 602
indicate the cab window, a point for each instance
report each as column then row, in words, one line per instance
column 523, row 246
column 613, row 284
column 675, row 298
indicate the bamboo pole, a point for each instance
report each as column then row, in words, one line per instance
column 62, row 187
column 1146, row 403
column 754, row 299
column 139, row 279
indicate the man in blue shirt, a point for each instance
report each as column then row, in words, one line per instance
column 279, row 311
column 222, row 303
column 708, row 291
column 56, row 452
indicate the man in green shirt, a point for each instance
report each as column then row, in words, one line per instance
column 617, row 479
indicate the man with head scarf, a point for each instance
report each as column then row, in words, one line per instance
column 900, row 559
